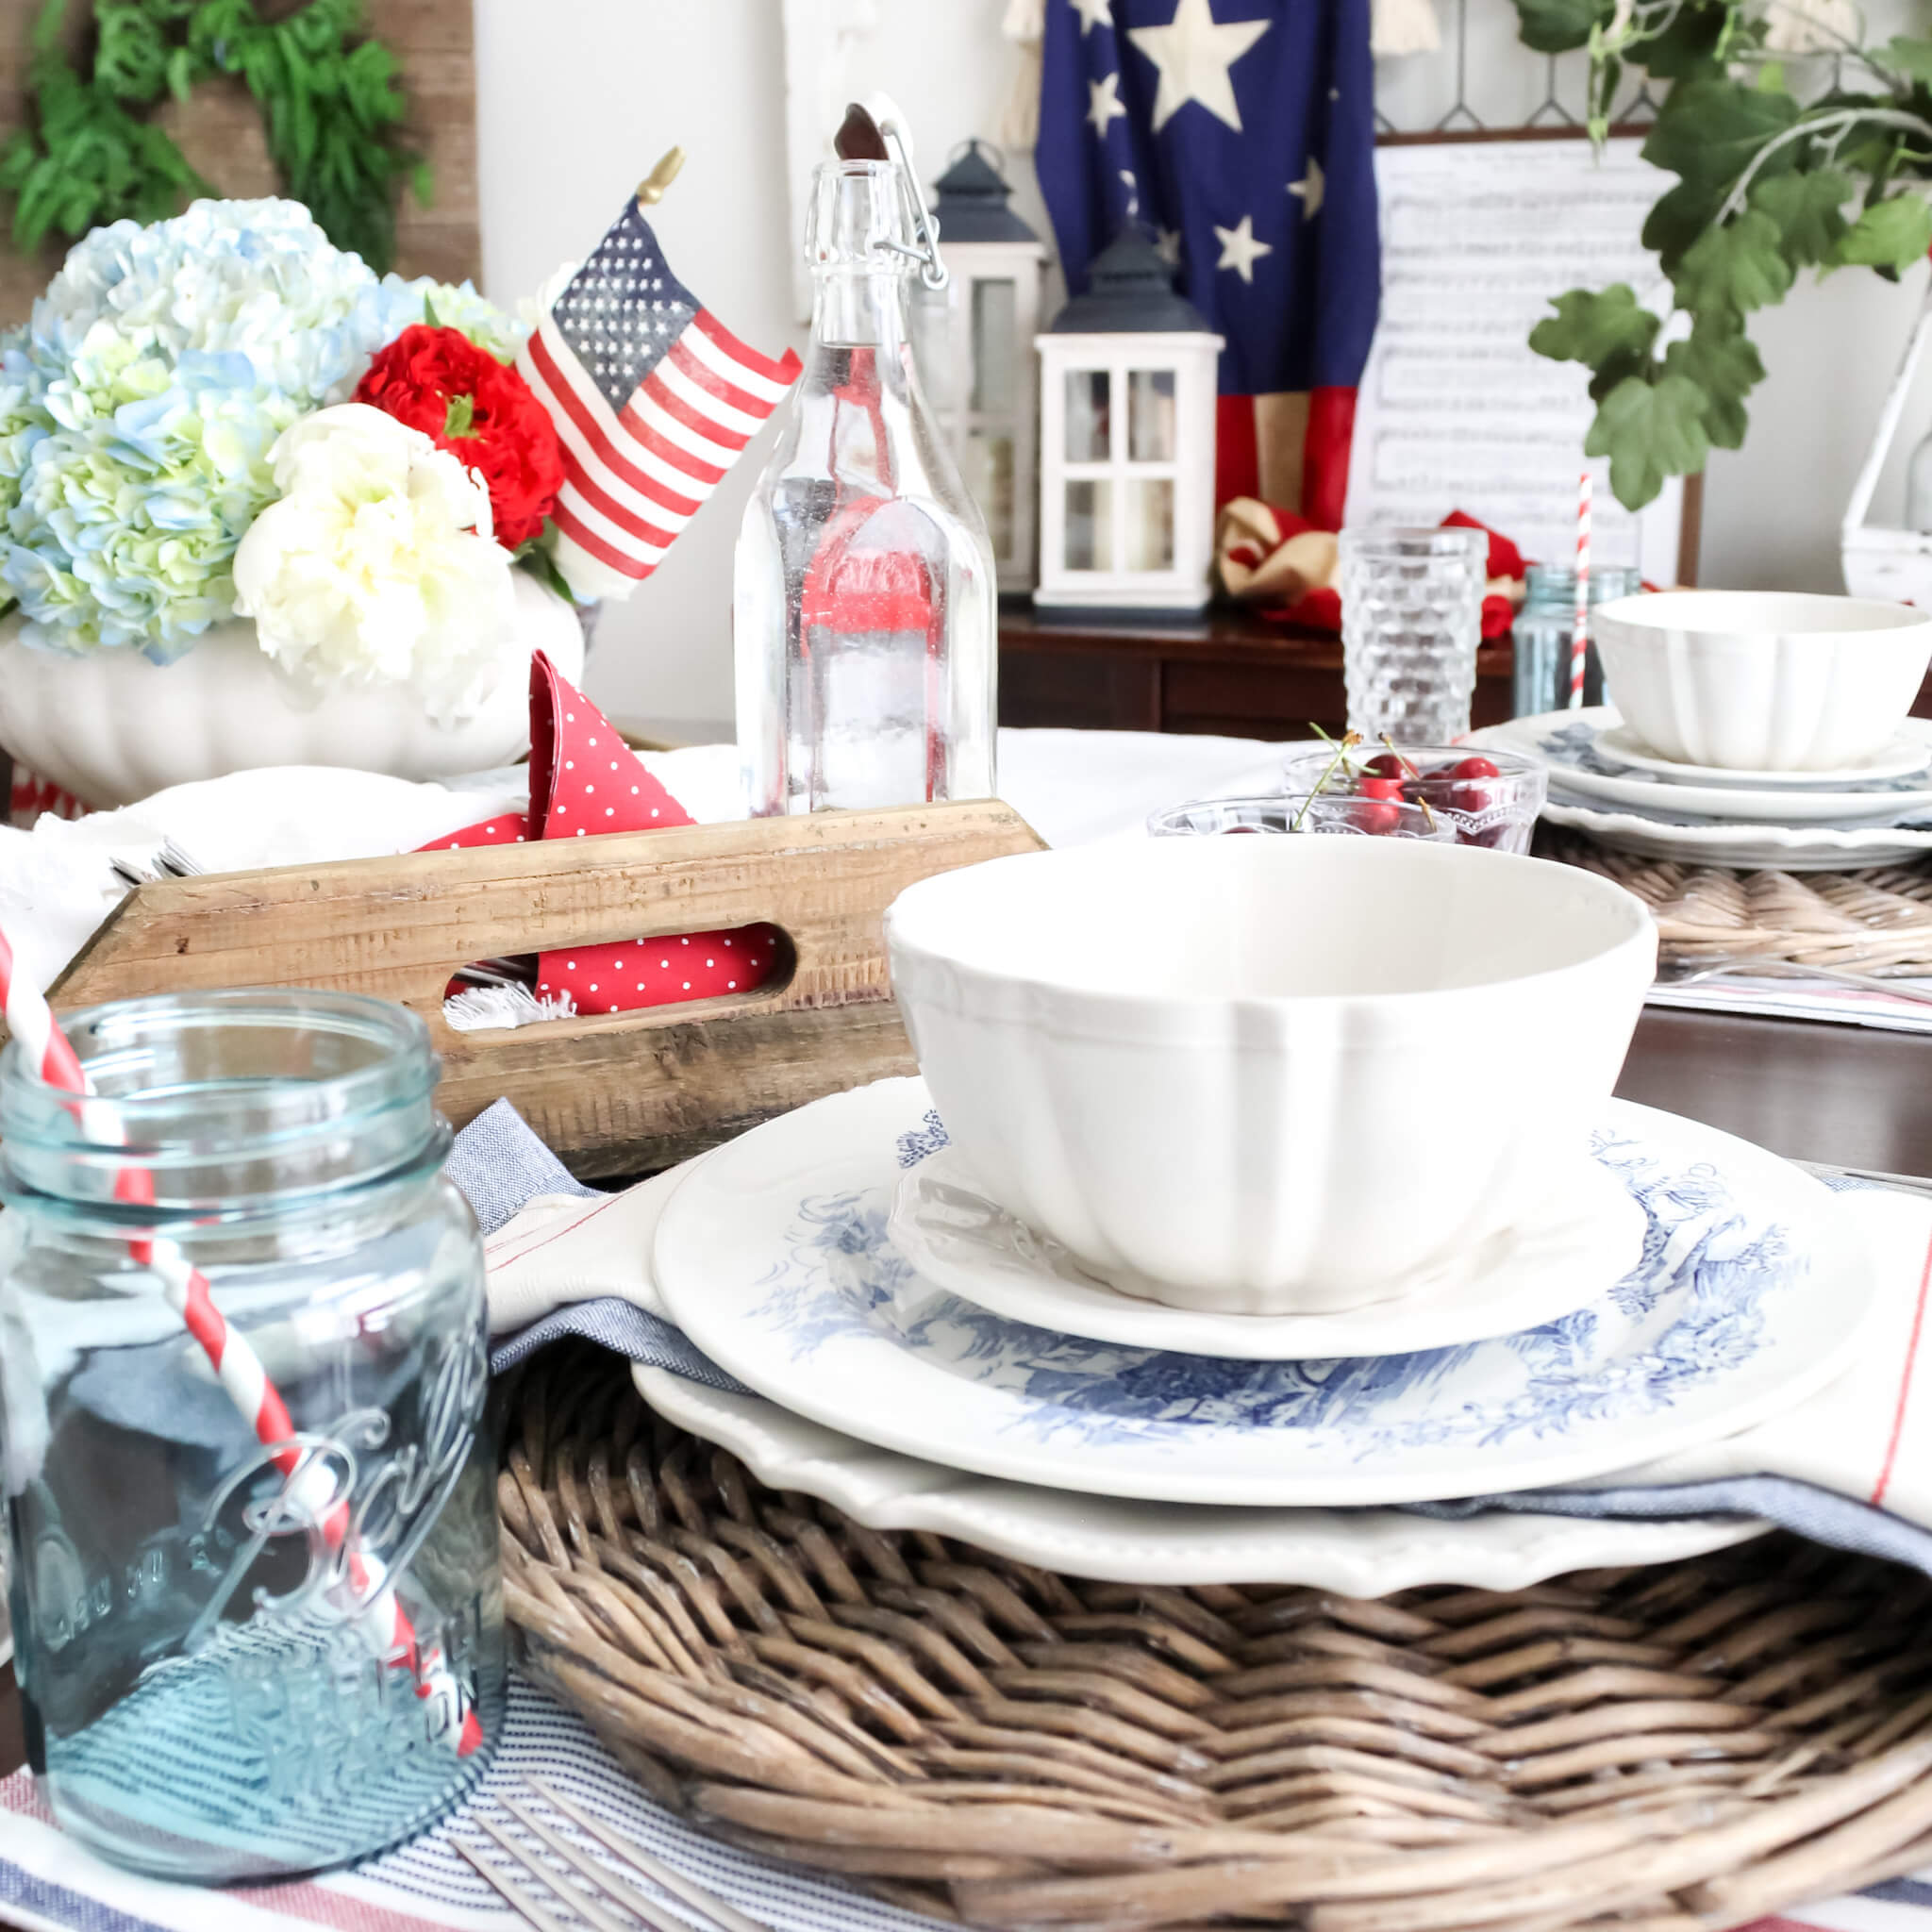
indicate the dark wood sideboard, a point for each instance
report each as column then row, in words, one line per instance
column 1225, row 670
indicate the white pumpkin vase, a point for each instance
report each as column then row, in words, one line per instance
column 110, row 727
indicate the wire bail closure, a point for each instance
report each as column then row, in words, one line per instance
column 873, row 130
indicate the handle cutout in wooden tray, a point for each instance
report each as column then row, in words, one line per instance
column 774, row 968
column 613, row 1093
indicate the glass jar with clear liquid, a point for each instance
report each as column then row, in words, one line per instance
column 864, row 611
column 253, row 1640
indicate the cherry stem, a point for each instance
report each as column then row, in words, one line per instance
column 1428, row 817
column 1348, row 737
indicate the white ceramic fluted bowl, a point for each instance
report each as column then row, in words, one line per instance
column 1762, row 680
column 111, row 727
column 1270, row 1076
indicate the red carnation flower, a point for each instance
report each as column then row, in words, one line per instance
column 466, row 401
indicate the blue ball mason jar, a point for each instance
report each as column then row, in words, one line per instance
column 252, row 1641
column 1544, row 631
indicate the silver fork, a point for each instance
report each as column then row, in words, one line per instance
column 170, row 862
column 619, row 1890
column 1741, row 966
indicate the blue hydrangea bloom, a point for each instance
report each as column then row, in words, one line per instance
column 139, row 406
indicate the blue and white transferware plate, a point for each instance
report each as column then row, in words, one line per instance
column 1588, row 1237
column 774, row 1258
column 1580, row 748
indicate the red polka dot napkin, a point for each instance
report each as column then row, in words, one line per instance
column 585, row 781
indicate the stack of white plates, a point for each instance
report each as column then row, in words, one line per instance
column 922, row 1360
column 1606, row 781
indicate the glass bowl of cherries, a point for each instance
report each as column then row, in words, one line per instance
column 1485, row 797
column 1303, row 811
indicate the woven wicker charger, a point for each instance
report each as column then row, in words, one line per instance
column 1694, row 1744
column 1877, row 921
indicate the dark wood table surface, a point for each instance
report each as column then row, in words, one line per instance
column 1845, row 1095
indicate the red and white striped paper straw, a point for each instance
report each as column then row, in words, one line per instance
column 1579, row 628
column 363, row 1589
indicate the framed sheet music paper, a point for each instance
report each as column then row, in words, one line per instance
column 1454, row 411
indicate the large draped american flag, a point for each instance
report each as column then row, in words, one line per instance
column 654, row 400
column 1242, row 133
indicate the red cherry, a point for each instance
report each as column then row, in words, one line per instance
column 1385, row 764
column 1380, row 787
column 1379, row 817
column 1470, row 798
column 1475, row 767
column 1229, row 831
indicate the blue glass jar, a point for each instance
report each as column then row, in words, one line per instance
column 247, row 1646
column 1543, row 630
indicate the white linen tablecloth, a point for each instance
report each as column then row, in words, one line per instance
column 58, row 883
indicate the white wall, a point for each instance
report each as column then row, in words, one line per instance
column 576, row 99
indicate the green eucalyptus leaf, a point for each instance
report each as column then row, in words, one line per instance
column 1620, row 367
column 1677, row 218
column 1732, row 270
column 1590, row 326
column 1688, row 47
column 1808, row 210
column 1555, row 26
column 1649, row 431
column 1889, row 235
column 1711, row 129
column 1908, row 57
column 1722, row 363
column 542, row 566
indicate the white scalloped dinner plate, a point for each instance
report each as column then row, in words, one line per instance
column 1363, row 1553
column 1777, row 848
column 773, row 1257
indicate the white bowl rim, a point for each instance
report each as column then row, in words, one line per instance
column 1102, row 1001
column 1722, row 615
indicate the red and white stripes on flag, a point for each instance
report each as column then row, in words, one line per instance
column 654, row 400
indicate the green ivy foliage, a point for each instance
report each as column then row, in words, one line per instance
column 1767, row 186
column 331, row 106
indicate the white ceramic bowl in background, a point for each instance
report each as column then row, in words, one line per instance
column 1268, row 1075
column 1762, row 680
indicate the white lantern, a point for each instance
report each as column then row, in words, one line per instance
column 981, row 379
column 1126, row 440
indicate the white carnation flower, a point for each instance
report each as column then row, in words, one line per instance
column 378, row 565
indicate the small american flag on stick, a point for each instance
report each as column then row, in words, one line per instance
column 654, row 400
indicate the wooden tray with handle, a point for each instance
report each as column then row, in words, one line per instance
column 614, row 1093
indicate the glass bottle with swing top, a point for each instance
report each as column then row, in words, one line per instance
column 865, row 611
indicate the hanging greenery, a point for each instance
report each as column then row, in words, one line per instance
column 1769, row 184
column 331, row 108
